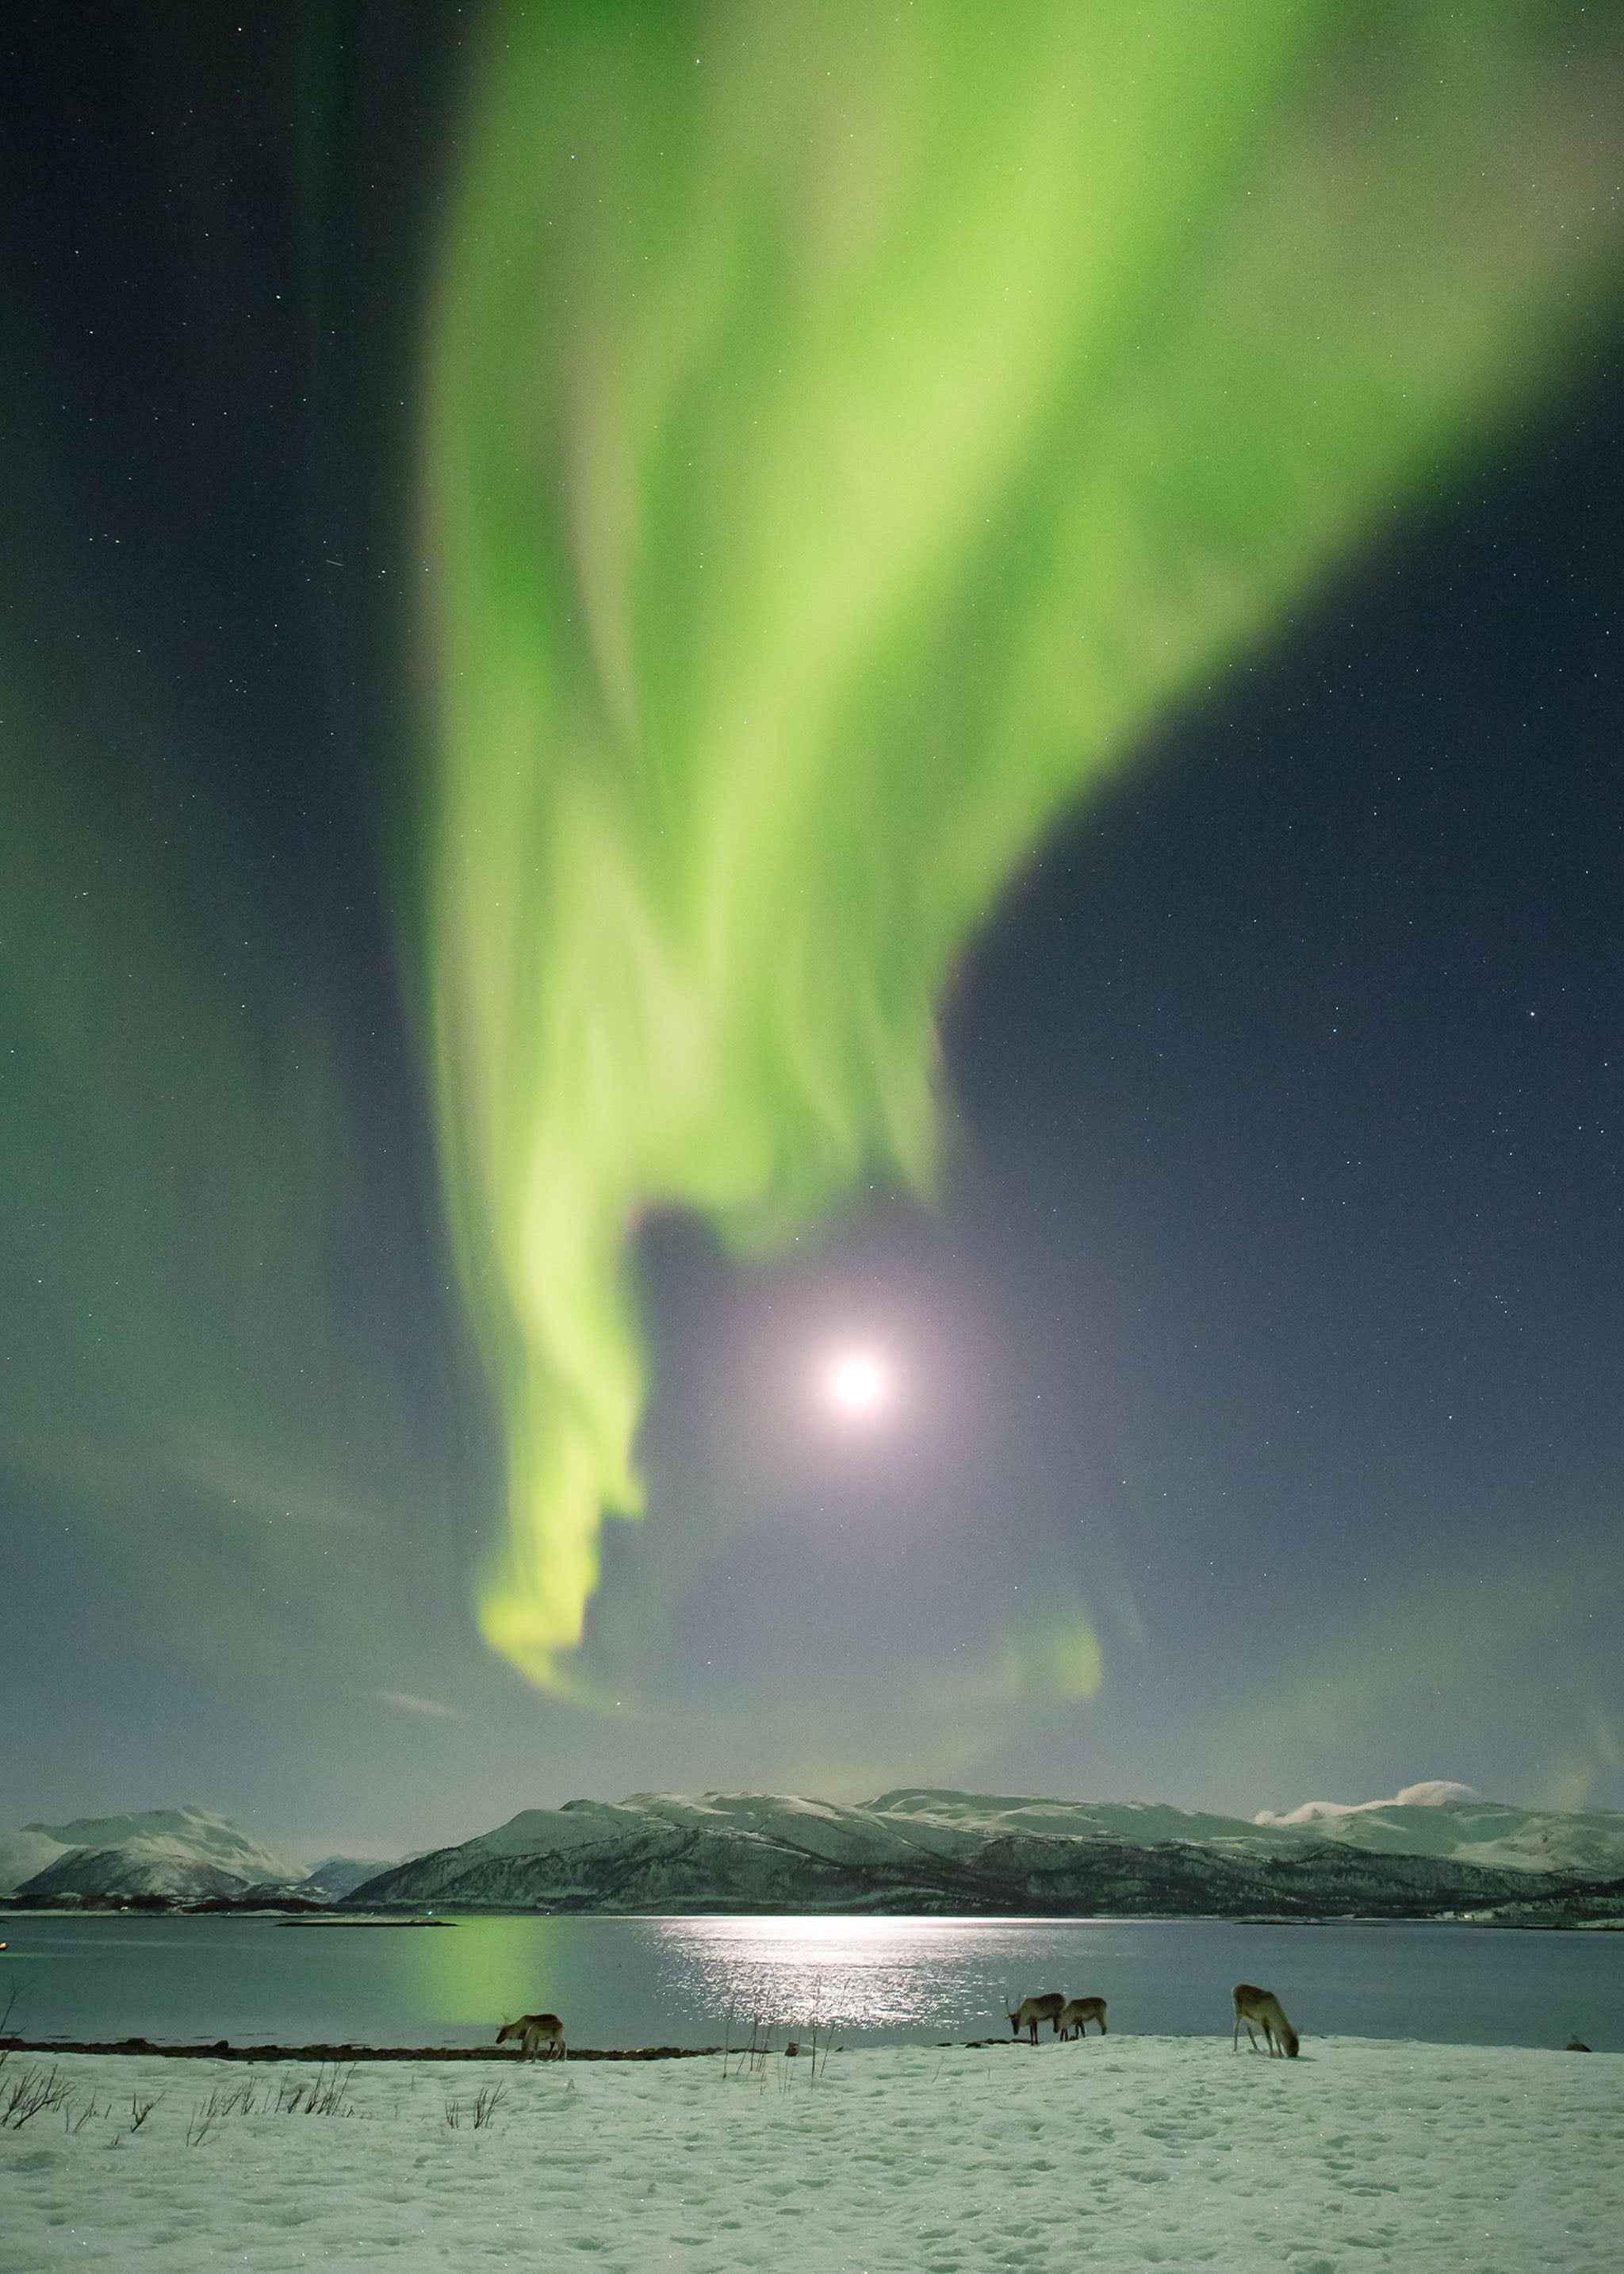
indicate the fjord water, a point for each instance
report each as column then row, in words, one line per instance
column 628, row 1982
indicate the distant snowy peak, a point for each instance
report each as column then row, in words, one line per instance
column 337, row 1876
column 185, row 1854
column 1435, row 1794
column 138, row 1868
column 197, row 1831
column 988, row 1815
column 1455, row 1824
column 24, row 1853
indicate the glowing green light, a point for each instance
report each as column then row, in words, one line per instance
column 847, row 429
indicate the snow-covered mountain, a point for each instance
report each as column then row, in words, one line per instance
column 336, row 1876
column 328, row 1882
column 938, row 1850
column 24, row 1853
column 1453, row 1821
column 1433, row 1846
column 1448, row 1822
column 183, row 1853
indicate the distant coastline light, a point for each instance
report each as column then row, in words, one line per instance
column 857, row 1383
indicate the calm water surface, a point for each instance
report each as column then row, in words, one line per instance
column 694, row 1981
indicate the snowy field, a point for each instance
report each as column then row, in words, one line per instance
column 1125, row 2153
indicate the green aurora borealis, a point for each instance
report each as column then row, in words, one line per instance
column 845, row 433
column 686, row 688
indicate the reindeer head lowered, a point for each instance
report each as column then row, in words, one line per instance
column 533, row 2030
column 1031, row 2011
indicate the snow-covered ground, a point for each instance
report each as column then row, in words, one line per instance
column 1121, row 2153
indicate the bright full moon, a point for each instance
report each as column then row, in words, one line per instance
column 857, row 1384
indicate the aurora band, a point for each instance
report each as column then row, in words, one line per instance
column 846, row 430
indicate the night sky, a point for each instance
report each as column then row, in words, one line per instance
column 1255, row 1425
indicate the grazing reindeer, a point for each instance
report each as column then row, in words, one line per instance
column 1077, row 2014
column 1263, row 2007
column 1033, row 2010
column 533, row 2030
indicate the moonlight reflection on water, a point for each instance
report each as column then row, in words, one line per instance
column 854, row 1974
column 629, row 1982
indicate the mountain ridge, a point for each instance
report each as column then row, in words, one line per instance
column 1435, row 1847
column 924, row 1849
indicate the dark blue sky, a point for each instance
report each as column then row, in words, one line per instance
column 1269, row 1325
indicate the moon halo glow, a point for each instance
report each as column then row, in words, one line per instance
column 857, row 1385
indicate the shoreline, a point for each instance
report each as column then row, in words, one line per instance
column 1517, row 1918
column 343, row 2055
column 224, row 2051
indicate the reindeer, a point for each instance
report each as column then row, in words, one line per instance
column 532, row 2030
column 1263, row 2007
column 1033, row 2010
column 1076, row 2014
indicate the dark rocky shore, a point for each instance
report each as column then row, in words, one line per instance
column 223, row 2050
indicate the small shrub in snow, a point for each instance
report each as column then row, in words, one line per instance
column 204, row 2118
column 481, row 2109
column 323, row 2094
column 31, row 2093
